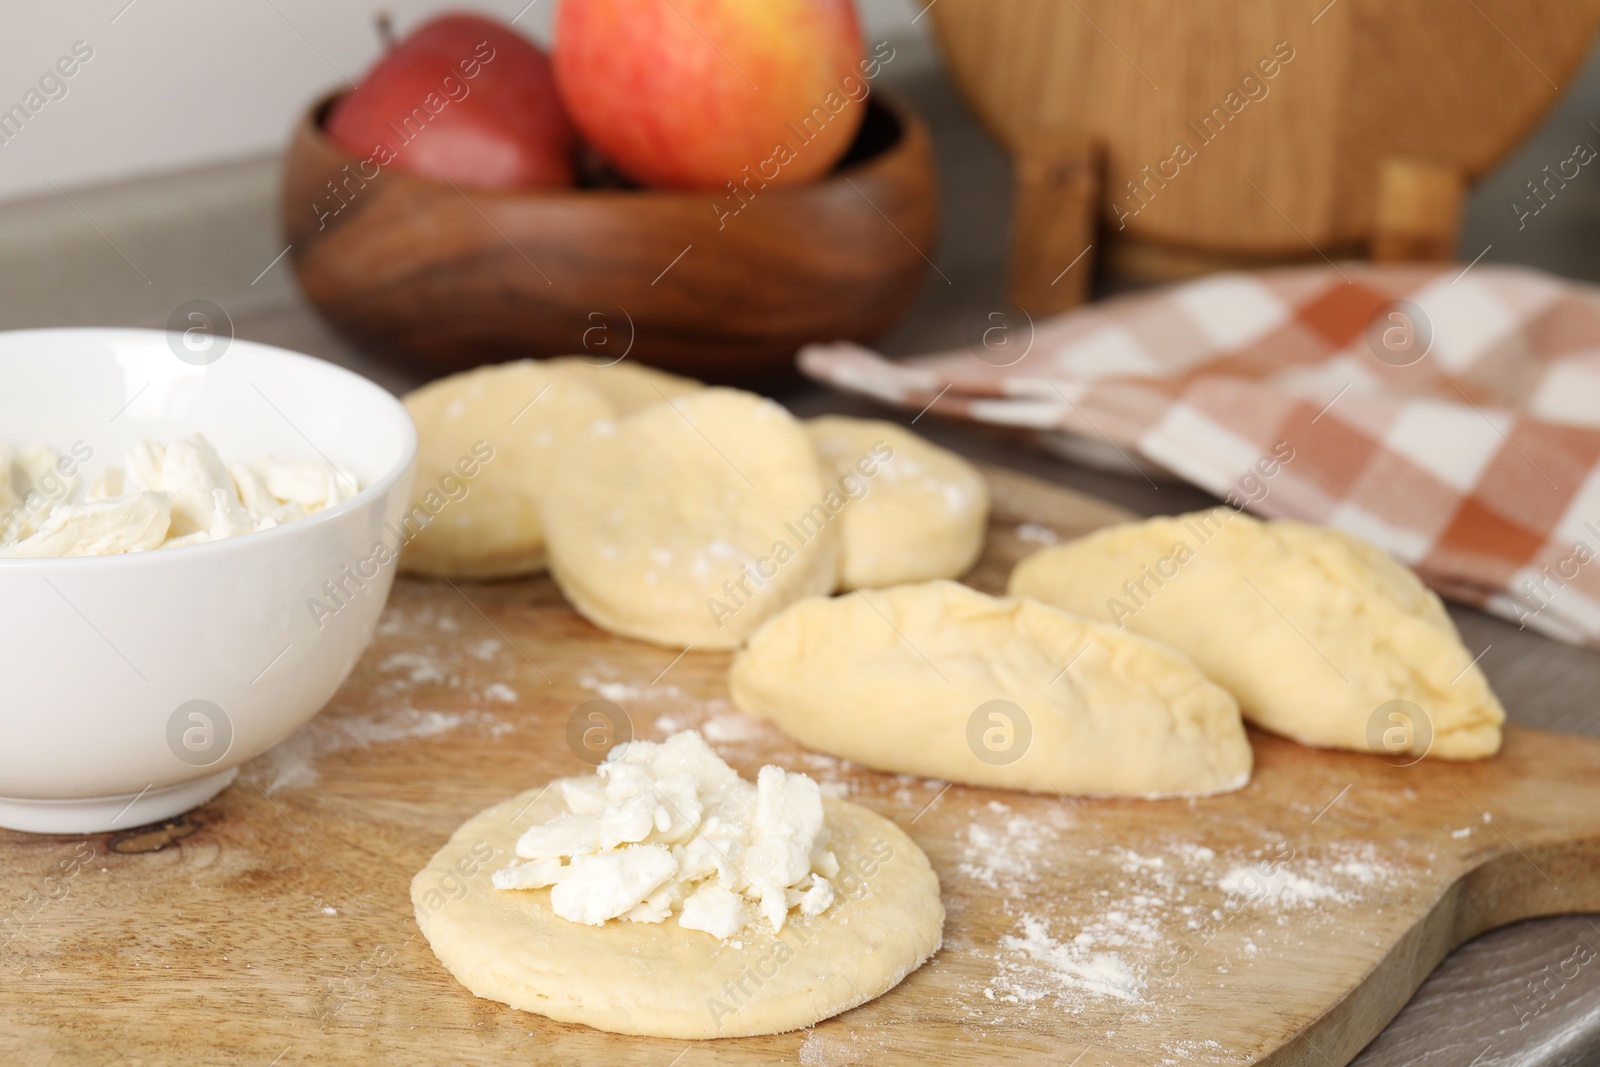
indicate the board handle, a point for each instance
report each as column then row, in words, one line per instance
column 1057, row 182
column 1419, row 212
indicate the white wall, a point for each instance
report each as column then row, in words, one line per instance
column 176, row 83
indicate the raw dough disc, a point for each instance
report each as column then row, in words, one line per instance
column 942, row 681
column 526, row 414
column 917, row 511
column 691, row 523
column 1317, row 633
column 659, row 979
column 628, row 385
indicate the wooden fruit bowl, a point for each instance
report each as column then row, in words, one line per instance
column 439, row 278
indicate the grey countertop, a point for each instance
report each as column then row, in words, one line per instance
column 129, row 254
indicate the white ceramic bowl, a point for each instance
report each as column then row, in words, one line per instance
column 135, row 685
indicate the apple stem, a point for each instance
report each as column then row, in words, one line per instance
column 385, row 30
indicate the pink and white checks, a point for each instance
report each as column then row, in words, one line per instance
column 1450, row 417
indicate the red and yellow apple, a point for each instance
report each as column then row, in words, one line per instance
column 463, row 99
column 688, row 93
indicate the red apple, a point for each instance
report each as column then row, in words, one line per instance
column 689, row 93
column 463, row 99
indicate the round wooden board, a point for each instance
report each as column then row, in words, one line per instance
column 1282, row 924
column 1293, row 163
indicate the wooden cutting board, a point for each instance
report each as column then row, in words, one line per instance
column 1282, row 924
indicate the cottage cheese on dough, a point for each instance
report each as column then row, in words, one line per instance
column 695, row 899
column 669, row 828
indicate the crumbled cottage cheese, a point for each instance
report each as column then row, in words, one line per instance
column 670, row 827
column 162, row 497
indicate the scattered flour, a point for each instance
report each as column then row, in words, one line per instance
column 617, row 692
column 1360, row 871
column 814, row 1051
column 1040, row 965
column 418, row 669
column 1006, row 857
column 501, row 692
column 831, row 774
column 291, row 764
column 400, row 617
column 1193, row 854
column 1280, row 886
column 1178, row 1052
column 1036, row 534
column 1342, row 874
column 736, row 728
column 832, row 1048
column 821, row 762
column 1126, row 948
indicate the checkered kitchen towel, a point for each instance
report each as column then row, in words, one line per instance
column 1451, row 417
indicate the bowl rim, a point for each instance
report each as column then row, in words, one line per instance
column 157, row 556
column 309, row 127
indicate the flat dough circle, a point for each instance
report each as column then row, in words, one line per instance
column 653, row 522
column 1317, row 633
column 922, row 513
column 910, row 679
column 629, row 386
column 528, row 415
column 659, row 979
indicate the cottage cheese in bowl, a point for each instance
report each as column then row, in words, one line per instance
column 161, row 496
column 188, row 571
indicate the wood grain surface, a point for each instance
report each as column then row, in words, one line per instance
column 1282, row 924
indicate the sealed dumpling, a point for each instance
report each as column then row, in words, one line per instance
column 939, row 680
column 1321, row 637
